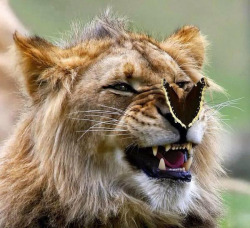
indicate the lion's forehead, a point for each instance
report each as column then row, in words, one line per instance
column 145, row 62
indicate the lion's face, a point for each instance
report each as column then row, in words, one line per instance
column 121, row 101
column 108, row 94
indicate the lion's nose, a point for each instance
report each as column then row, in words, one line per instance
column 168, row 116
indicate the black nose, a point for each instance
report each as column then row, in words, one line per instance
column 183, row 131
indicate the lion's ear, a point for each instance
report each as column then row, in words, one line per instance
column 189, row 43
column 36, row 56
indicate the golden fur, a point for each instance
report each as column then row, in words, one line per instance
column 54, row 173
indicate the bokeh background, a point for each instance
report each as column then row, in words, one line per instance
column 227, row 26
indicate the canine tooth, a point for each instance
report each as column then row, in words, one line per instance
column 189, row 146
column 190, row 152
column 167, row 147
column 162, row 165
column 188, row 163
column 155, row 149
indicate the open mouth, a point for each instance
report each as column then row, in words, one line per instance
column 172, row 161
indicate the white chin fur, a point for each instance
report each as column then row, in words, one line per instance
column 167, row 195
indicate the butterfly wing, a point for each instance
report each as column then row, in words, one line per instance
column 175, row 105
column 194, row 102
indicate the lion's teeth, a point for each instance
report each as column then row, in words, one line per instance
column 167, row 147
column 187, row 164
column 155, row 149
column 162, row 165
column 189, row 161
column 177, row 169
column 190, row 152
column 189, row 146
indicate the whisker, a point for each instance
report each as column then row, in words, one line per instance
column 102, row 116
column 117, row 109
column 98, row 121
column 113, row 130
column 118, row 135
column 230, row 103
column 97, row 111
column 93, row 130
column 109, row 128
column 237, row 108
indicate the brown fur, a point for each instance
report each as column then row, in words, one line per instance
column 52, row 175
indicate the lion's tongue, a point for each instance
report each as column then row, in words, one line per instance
column 172, row 158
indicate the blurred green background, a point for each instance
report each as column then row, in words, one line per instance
column 227, row 26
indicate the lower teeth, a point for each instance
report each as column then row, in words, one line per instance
column 178, row 169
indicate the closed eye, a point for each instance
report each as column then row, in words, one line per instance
column 123, row 87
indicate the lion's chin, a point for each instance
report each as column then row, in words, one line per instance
column 165, row 194
column 171, row 161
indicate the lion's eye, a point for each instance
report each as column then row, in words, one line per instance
column 182, row 84
column 121, row 87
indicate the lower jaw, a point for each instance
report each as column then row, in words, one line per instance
column 174, row 175
column 142, row 159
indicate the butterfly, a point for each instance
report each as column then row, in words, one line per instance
column 186, row 111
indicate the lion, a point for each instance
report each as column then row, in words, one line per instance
column 97, row 145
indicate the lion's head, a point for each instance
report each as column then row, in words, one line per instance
column 100, row 135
